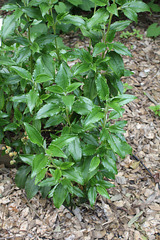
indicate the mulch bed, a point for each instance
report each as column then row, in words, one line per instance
column 133, row 212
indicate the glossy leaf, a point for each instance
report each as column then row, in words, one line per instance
column 113, row 9
column 21, row 176
column 75, row 149
column 116, row 63
column 62, row 78
column 74, row 175
column 100, row 16
column 92, row 194
column 39, row 162
column 32, row 98
column 59, row 195
column 98, row 48
column 131, row 14
column 121, row 49
column 41, row 78
column 94, row 116
column 55, row 151
column 23, row 73
column 83, row 106
column 73, row 86
column 30, row 187
column 68, row 101
column 94, row 163
column 33, row 134
column 102, row 87
column 102, row 191
column 55, row 89
column 48, row 110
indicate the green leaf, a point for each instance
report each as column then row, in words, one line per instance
column 75, row 2
column 44, row 65
column 32, row 12
column 9, row 26
column 55, row 151
column 100, row 2
column 17, row 114
column 83, row 106
column 153, row 30
column 94, row 116
column 39, row 162
column 64, row 140
column 120, row 25
column 20, row 98
column 73, row 19
column 100, row 16
column 68, row 101
column 102, row 87
column 94, row 163
column 28, row 159
column 10, row 127
column 60, row 8
column 131, row 14
column 92, row 194
column 102, row 191
column 110, row 165
column 32, row 98
column 89, row 150
column 59, row 195
column 2, row 100
column 113, row 9
column 120, row 48
column 118, row 127
column 75, row 149
column 55, row 89
column 62, row 78
column 30, row 187
column 137, row 6
column 54, row 121
column 41, row 78
column 40, row 175
column 105, row 184
column 98, row 48
column 74, row 175
column 23, row 73
column 66, row 165
column 123, row 99
column 80, row 68
column 21, row 176
column 33, row 134
column 116, row 63
column 48, row 182
column 120, row 147
column 56, row 174
column 6, row 61
column 73, row 86
column 47, row 110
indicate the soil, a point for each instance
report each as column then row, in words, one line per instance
column 133, row 212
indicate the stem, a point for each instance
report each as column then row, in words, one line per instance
column 109, row 24
column 67, row 115
column 31, row 57
column 54, row 30
column 105, row 116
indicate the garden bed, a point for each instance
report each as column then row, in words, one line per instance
column 133, row 211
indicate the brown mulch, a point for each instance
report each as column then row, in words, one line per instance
column 133, row 212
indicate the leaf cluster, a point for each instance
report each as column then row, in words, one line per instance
column 62, row 118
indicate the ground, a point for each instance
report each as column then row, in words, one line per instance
column 133, row 212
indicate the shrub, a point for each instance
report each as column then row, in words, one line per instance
column 64, row 121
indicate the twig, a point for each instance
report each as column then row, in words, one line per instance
column 137, row 159
column 150, row 98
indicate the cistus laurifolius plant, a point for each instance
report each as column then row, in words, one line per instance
column 64, row 121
